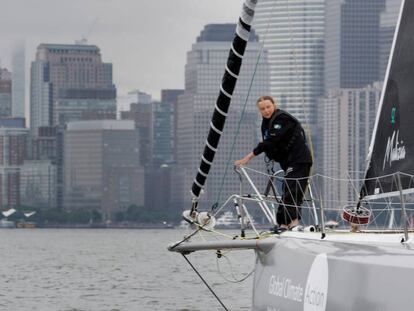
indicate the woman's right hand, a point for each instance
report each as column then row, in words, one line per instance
column 240, row 162
column 244, row 160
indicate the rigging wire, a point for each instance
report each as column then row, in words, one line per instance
column 230, row 157
column 186, row 238
column 205, row 283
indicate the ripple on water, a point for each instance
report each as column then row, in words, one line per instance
column 110, row 270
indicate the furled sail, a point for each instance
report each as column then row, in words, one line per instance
column 228, row 84
column 392, row 144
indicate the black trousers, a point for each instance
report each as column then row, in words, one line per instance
column 294, row 188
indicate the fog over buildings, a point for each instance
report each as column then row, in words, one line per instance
column 146, row 39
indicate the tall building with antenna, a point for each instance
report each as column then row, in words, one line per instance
column 70, row 82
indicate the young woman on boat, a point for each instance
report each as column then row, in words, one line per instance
column 284, row 141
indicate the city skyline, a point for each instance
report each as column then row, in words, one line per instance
column 72, row 82
column 123, row 37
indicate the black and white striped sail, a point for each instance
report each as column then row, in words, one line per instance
column 392, row 144
column 228, row 84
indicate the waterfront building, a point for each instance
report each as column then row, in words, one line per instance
column 158, row 189
column 47, row 145
column 38, row 187
column 69, row 81
column 102, row 168
column 170, row 97
column 203, row 72
column 13, row 150
column 163, row 131
column 158, row 174
column 156, row 125
column 143, row 111
column 142, row 114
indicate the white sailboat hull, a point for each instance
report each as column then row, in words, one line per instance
column 344, row 271
column 337, row 273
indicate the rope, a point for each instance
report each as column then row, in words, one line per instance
column 235, row 280
column 199, row 229
column 204, row 281
column 230, row 157
column 333, row 178
column 186, row 238
column 213, row 231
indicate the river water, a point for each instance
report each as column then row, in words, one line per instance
column 111, row 269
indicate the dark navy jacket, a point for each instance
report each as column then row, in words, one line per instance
column 284, row 140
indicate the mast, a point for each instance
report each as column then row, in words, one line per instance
column 392, row 143
column 228, row 83
column 387, row 73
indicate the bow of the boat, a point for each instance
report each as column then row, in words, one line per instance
column 262, row 245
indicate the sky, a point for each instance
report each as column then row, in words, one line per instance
column 145, row 40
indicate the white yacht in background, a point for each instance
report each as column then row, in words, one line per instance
column 227, row 221
column 4, row 223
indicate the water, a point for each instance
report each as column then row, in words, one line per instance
column 98, row 269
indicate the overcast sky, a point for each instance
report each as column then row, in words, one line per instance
column 146, row 40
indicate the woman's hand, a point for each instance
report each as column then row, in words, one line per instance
column 241, row 162
column 244, row 160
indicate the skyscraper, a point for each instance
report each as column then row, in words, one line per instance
column 388, row 22
column 203, row 71
column 5, row 93
column 345, row 133
column 163, row 132
column 141, row 111
column 18, row 81
column 170, row 97
column 293, row 33
column 102, row 169
column 358, row 41
column 13, row 142
column 70, row 82
column 352, row 43
column 38, row 184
